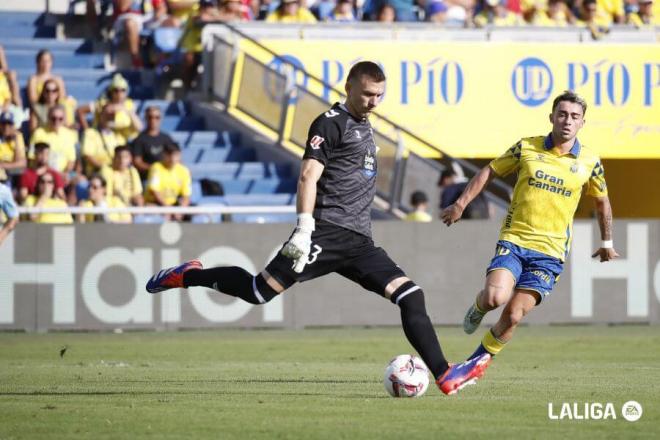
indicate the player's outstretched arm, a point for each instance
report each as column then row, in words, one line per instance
column 298, row 246
column 606, row 252
column 453, row 212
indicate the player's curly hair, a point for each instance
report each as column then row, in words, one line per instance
column 369, row 68
column 570, row 96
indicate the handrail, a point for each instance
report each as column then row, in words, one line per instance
column 205, row 209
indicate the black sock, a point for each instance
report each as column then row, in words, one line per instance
column 419, row 330
column 233, row 281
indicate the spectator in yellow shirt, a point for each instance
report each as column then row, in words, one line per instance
column 594, row 19
column 613, row 9
column 126, row 123
column 50, row 96
column 44, row 72
column 123, row 179
column 62, row 141
column 291, row 11
column 169, row 182
column 495, row 13
column 98, row 197
column 420, row 203
column 644, row 16
column 557, row 14
column 45, row 198
column 12, row 149
column 98, row 147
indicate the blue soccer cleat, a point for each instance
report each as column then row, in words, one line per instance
column 463, row 374
column 171, row 278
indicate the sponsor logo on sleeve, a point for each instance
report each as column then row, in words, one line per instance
column 315, row 142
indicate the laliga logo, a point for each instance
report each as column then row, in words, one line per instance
column 631, row 411
column 531, row 82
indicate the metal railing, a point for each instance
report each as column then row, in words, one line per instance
column 282, row 101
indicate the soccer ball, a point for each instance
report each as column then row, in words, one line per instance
column 406, row 376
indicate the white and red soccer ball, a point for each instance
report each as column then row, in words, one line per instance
column 406, row 376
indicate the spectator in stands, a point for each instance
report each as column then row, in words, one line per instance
column 98, row 146
column 8, row 212
column 129, row 17
column 182, row 10
column 62, row 141
column 126, row 123
column 613, row 9
column 45, row 198
column 169, row 182
column 160, row 17
column 420, row 203
column 557, row 14
column 436, row 12
column 386, row 14
column 458, row 12
column 644, row 15
column 342, row 12
column 452, row 187
column 37, row 168
column 97, row 26
column 50, row 96
column 291, row 11
column 403, row 10
column 148, row 146
column 122, row 178
column 98, row 197
column 44, row 72
column 594, row 19
column 10, row 97
column 191, row 40
column 495, row 13
column 12, row 148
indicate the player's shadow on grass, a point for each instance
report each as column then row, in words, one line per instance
column 266, row 380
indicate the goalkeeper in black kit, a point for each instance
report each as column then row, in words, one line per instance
column 336, row 187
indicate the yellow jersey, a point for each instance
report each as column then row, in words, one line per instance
column 62, row 146
column 100, row 146
column 547, row 192
column 169, row 183
column 123, row 184
column 50, row 203
column 11, row 150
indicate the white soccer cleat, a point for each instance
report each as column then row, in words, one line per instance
column 472, row 319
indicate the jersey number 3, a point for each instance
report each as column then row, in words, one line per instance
column 315, row 254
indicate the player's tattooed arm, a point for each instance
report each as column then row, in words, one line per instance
column 606, row 251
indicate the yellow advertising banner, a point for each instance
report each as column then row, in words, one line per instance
column 475, row 99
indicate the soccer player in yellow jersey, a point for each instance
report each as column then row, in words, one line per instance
column 535, row 237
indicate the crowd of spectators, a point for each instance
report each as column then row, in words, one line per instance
column 133, row 23
column 94, row 154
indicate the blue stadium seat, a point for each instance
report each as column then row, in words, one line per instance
column 271, row 186
column 191, row 156
column 242, row 170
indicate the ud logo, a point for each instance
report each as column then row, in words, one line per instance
column 575, row 168
column 501, row 250
column 539, row 157
column 331, row 113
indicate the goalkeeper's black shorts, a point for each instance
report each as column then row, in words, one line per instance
column 337, row 249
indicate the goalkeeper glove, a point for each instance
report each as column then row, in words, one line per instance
column 299, row 245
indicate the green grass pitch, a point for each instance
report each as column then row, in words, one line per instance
column 318, row 383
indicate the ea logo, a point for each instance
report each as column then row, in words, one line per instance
column 293, row 72
column 631, row 411
column 531, row 82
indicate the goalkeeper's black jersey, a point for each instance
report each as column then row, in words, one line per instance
column 345, row 145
